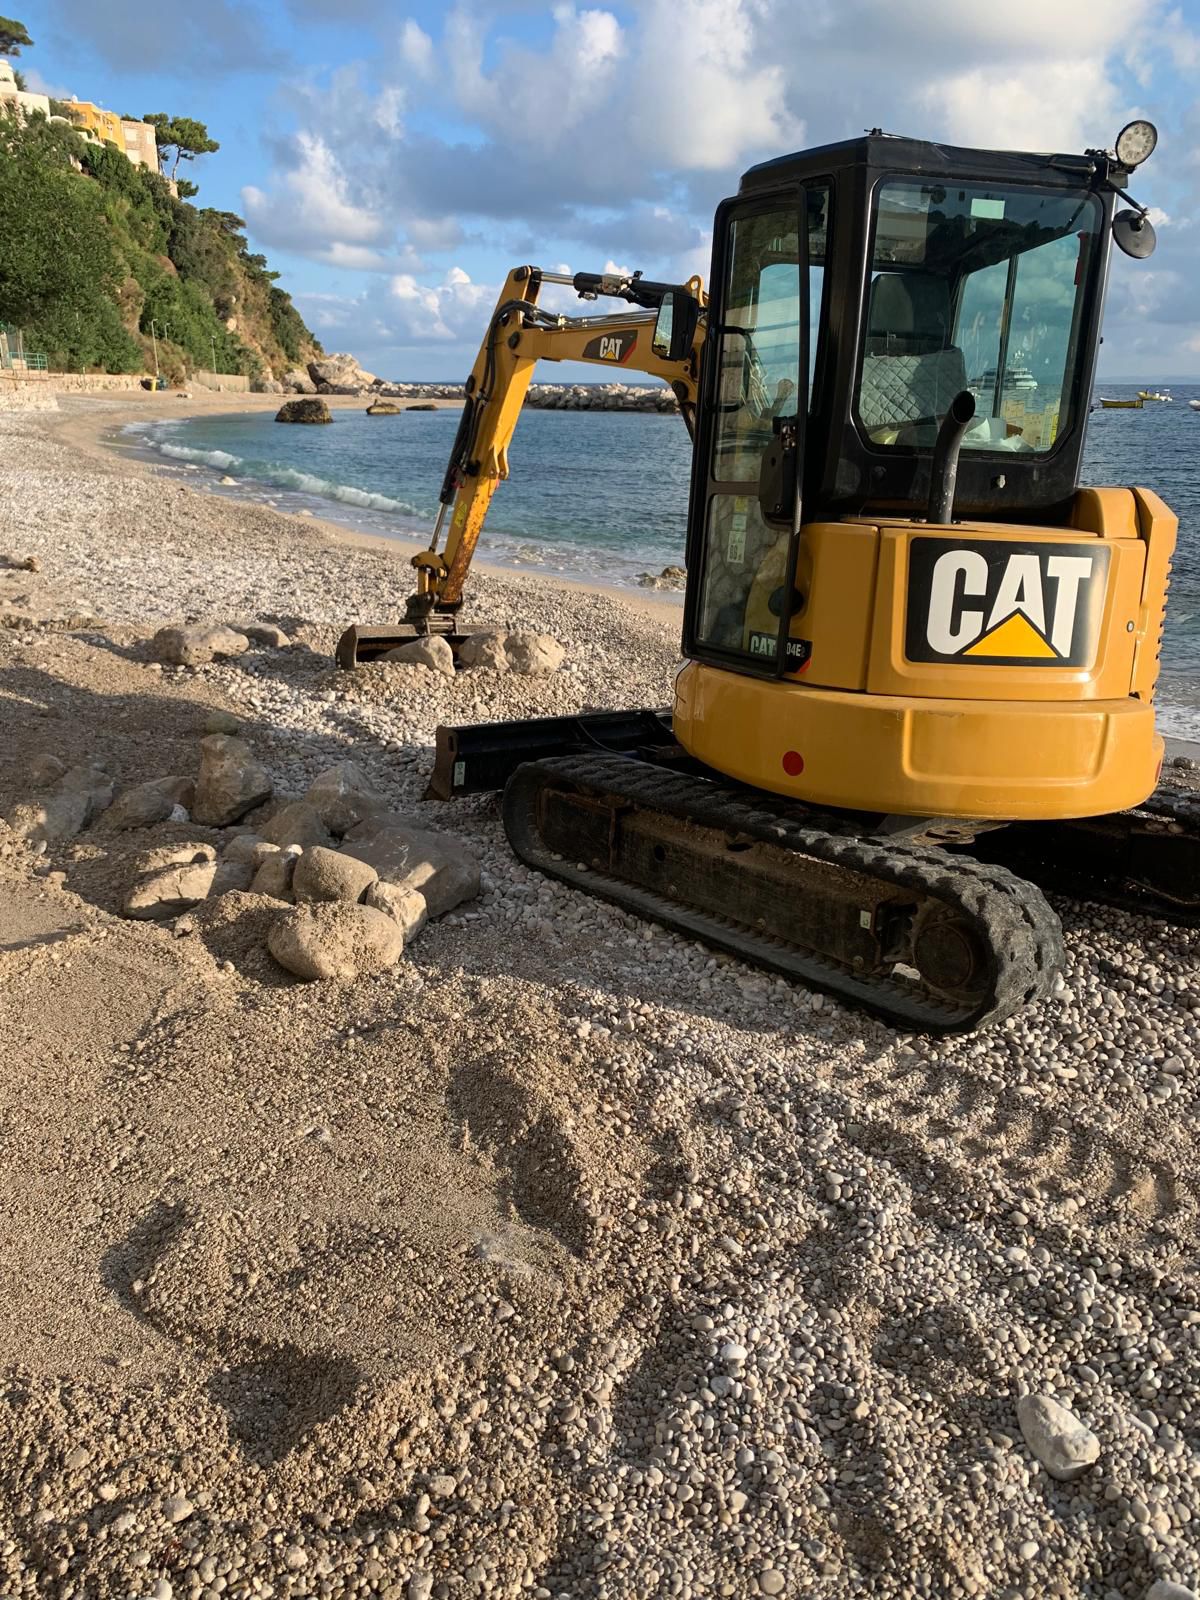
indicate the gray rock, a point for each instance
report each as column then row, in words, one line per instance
column 335, row 941
column 218, row 721
column 314, row 410
column 229, row 876
column 232, row 780
column 242, row 847
column 1164, row 1589
column 45, row 771
column 771, row 1581
column 195, row 646
column 485, row 651
column 342, row 372
column 273, row 876
column 297, row 381
column 177, row 1508
column 296, row 823
column 266, row 633
column 169, row 891
column 172, row 855
column 343, row 796
column 82, row 793
column 58, row 817
column 433, row 653
column 148, row 803
column 408, row 907
column 442, row 868
column 1064, row 1446
column 328, row 875
column 534, row 655
column 384, row 408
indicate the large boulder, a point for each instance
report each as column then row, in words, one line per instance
column 170, row 891
column 384, row 408
column 484, row 650
column 196, row 645
column 296, row 824
column 335, row 941
column 329, row 875
column 314, row 410
column 340, row 374
column 148, row 803
column 443, row 869
column 275, row 872
column 79, row 796
column 535, row 655
column 232, row 781
column 432, row 653
column 342, row 796
column 297, row 381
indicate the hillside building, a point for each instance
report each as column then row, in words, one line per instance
column 139, row 144
column 19, row 99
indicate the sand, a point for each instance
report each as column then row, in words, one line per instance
column 565, row 1258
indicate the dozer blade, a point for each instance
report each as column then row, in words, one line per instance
column 929, row 941
column 482, row 757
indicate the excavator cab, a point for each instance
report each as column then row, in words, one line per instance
column 885, row 512
column 908, row 631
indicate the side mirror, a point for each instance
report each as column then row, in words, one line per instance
column 675, row 329
column 1134, row 233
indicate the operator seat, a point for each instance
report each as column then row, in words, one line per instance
column 910, row 371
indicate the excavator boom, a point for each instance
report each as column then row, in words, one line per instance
column 661, row 335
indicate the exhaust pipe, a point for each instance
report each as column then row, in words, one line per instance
column 943, row 474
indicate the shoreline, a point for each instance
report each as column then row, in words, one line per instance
column 86, row 433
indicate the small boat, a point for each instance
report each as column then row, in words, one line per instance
column 1195, row 404
column 1154, row 394
column 1122, row 405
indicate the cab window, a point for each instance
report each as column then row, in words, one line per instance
column 974, row 287
column 758, row 386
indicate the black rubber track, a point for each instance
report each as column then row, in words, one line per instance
column 1008, row 917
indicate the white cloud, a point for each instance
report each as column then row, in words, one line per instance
column 613, row 137
column 311, row 208
column 416, row 48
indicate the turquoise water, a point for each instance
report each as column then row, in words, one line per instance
column 603, row 495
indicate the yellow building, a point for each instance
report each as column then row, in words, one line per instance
column 105, row 125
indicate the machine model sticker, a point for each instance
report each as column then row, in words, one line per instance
column 616, row 347
column 799, row 651
column 1004, row 603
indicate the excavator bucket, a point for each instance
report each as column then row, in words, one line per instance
column 362, row 643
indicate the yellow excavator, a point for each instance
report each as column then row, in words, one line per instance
column 921, row 659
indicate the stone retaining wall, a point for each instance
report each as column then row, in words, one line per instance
column 226, row 382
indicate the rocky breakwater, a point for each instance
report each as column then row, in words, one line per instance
column 342, row 374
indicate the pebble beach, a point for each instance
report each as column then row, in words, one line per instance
column 563, row 1258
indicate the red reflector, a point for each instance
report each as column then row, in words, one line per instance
column 793, row 763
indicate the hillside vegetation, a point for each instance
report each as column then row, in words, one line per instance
column 97, row 254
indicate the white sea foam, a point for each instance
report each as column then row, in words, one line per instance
column 283, row 477
column 208, row 458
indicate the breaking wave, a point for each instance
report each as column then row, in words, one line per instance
column 281, row 477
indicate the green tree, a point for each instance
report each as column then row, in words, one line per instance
column 64, row 299
column 187, row 137
column 13, row 37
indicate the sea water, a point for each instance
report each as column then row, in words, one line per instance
column 602, row 495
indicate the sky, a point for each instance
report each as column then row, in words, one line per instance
column 395, row 160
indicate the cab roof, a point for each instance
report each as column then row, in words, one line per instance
column 886, row 152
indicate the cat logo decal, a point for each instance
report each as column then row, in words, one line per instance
column 1003, row 603
column 616, row 347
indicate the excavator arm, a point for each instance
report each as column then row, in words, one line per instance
column 661, row 334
